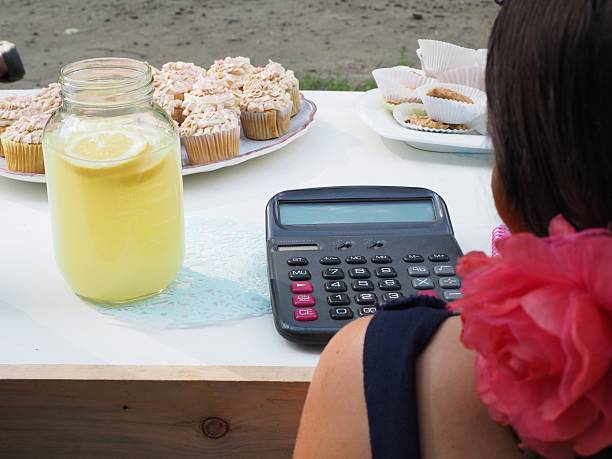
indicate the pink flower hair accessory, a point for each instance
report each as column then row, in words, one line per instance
column 539, row 317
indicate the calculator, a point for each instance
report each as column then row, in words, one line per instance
column 337, row 253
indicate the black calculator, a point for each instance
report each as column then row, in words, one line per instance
column 335, row 254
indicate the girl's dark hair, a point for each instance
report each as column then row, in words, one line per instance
column 549, row 87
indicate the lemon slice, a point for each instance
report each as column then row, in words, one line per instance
column 105, row 149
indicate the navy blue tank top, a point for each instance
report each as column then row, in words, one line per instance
column 395, row 337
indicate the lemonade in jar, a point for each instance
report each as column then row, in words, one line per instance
column 114, row 183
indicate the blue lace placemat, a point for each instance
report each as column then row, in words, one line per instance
column 224, row 278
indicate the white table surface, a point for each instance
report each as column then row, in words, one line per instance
column 42, row 322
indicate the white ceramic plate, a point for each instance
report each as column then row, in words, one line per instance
column 373, row 113
column 249, row 149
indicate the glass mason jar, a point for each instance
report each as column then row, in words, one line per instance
column 114, row 183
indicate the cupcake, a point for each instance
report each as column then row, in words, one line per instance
column 286, row 79
column 177, row 78
column 10, row 111
column 211, row 136
column 265, row 110
column 235, row 69
column 208, row 93
column 169, row 104
column 47, row 100
column 22, row 144
column 451, row 103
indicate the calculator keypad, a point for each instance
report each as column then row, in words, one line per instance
column 340, row 299
column 335, row 286
column 333, row 274
column 378, row 282
column 359, row 273
column 362, row 286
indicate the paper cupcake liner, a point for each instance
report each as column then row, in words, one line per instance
column 473, row 76
column 212, row 148
column 439, row 56
column 479, row 124
column 450, row 111
column 266, row 125
column 296, row 98
column 481, row 57
column 403, row 111
column 398, row 84
column 2, row 129
column 23, row 157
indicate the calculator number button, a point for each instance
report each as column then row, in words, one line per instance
column 356, row 260
column 333, row 274
column 340, row 299
column 301, row 287
column 389, row 284
column 359, row 273
column 297, row 261
column 450, row 282
column 452, row 296
column 335, row 286
column 303, row 301
column 423, row 283
column 418, row 271
column 341, row 313
column 330, row 261
column 444, row 270
column 381, row 259
column 390, row 296
column 362, row 286
column 386, row 272
column 414, row 258
column 438, row 257
column 305, row 314
column 299, row 274
column 365, row 298
column 367, row 311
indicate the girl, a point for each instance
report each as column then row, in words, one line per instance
column 537, row 319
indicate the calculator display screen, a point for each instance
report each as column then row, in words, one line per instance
column 330, row 213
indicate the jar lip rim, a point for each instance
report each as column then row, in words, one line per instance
column 141, row 69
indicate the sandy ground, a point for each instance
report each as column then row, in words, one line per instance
column 342, row 37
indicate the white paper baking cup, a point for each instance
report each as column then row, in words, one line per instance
column 403, row 111
column 451, row 111
column 398, row 84
column 439, row 56
column 481, row 57
column 479, row 124
column 473, row 76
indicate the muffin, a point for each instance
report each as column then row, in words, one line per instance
column 449, row 94
column 169, row 104
column 235, row 69
column 22, row 144
column 208, row 93
column 46, row 101
column 286, row 79
column 10, row 111
column 211, row 136
column 177, row 78
column 265, row 110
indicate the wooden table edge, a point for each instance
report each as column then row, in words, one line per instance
column 156, row 373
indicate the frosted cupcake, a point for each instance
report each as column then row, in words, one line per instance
column 177, row 78
column 265, row 110
column 286, row 79
column 46, row 101
column 235, row 69
column 211, row 136
column 208, row 93
column 169, row 104
column 22, row 144
column 10, row 111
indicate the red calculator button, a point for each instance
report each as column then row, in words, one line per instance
column 305, row 314
column 303, row 301
column 301, row 287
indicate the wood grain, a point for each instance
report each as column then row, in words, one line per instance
column 99, row 411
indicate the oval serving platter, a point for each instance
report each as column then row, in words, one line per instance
column 249, row 149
